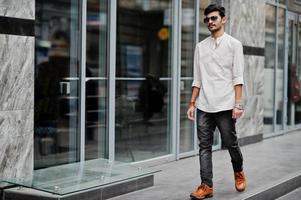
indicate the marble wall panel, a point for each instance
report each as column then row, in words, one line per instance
column 247, row 21
column 16, row 95
column 16, row 72
column 18, row 8
column 251, row 123
column 16, row 141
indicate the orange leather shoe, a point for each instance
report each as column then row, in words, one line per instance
column 240, row 181
column 202, row 192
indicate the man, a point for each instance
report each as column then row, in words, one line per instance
column 216, row 93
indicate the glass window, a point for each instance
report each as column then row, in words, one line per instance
column 280, row 70
column 96, row 79
column 143, row 82
column 56, row 127
column 299, row 48
column 291, row 73
column 298, row 104
column 203, row 30
column 269, row 69
column 187, row 53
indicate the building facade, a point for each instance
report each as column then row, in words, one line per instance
column 89, row 79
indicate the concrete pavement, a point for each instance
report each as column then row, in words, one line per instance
column 273, row 168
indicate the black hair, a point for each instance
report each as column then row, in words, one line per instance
column 57, row 35
column 214, row 7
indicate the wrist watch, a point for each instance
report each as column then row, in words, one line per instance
column 239, row 106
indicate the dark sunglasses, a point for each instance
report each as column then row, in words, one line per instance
column 212, row 18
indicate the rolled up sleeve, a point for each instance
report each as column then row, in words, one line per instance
column 238, row 64
column 196, row 69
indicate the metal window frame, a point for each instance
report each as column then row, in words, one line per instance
column 83, row 79
column 177, row 75
column 275, row 70
column 171, row 155
column 175, row 107
column 197, row 30
column 194, row 151
column 112, row 78
column 285, row 72
column 110, row 146
column 291, row 16
column 174, row 136
column 285, row 69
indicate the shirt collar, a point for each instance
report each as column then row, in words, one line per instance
column 218, row 40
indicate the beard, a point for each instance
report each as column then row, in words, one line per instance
column 215, row 30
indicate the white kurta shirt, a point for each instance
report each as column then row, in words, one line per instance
column 218, row 67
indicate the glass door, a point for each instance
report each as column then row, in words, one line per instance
column 188, row 41
column 280, row 69
column 298, row 64
column 96, row 88
column 294, row 71
column 143, row 79
column 57, row 85
column 269, row 118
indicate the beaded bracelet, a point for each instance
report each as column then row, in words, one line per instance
column 191, row 103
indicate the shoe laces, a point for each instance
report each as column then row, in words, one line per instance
column 202, row 187
column 239, row 177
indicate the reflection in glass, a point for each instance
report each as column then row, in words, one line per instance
column 96, row 82
column 96, row 106
column 187, row 52
column 280, row 70
column 291, row 74
column 298, row 105
column 56, row 108
column 269, row 68
column 80, row 176
column 203, row 30
column 143, row 82
column 299, row 48
column 186, row 126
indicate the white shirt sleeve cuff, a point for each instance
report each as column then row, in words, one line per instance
column 196, row 84
column 238, row 81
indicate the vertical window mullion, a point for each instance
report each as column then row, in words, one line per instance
column 112, row 74
column 275, row 72
column 285, row 67
column 174, row 111
column 177, row 75
column 83, row 80
column 197, row 30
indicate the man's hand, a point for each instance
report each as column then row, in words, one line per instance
column 238, row 108
column 191, row 107
column 190, row 113
column 236, row 113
